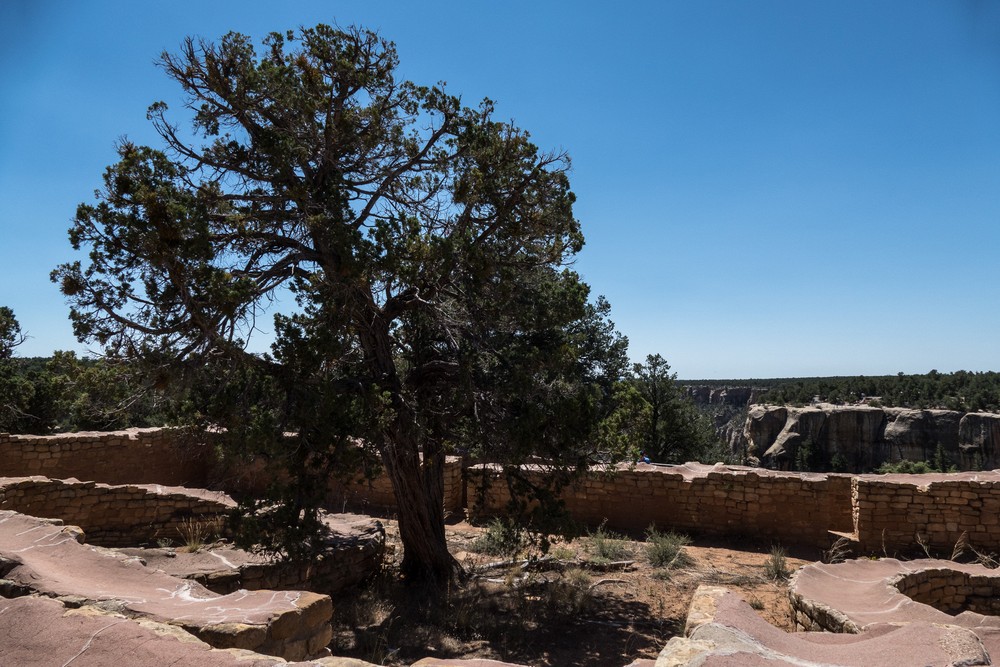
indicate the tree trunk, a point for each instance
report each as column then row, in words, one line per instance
column 417, row 484
column 419, row 490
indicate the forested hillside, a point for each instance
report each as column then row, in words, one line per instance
column 962, row 390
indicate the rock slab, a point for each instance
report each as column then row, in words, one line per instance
column 46, row 558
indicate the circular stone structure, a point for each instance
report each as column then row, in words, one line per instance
column 850, row 596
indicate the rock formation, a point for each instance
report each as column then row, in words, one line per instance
column 857, row 595
column 42, row 557
column 726, row 406
column 859, row 438
column 724, row 631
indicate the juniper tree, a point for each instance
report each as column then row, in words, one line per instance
column 416, row 251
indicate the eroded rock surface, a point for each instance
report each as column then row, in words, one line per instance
column 853, row 595
column 46, row 558
column 42, row 632
column 116, row 515
column 724, row 631
column 860, row 438
column 354, row 548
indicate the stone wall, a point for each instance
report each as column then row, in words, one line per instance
column 175, row 457
column 377, row 493
column 884, row 514
column 898, row 513
column 952, row 591
column 116, row 516
column 716, row 500
column 178, row 457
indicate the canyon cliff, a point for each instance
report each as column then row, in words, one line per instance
column 858, row 438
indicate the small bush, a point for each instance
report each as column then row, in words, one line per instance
column 906, row 467
column 776, row 565
column 608, row 546
column 562, row 552
column 666, row 549
column 198, row 534
column 503, row 537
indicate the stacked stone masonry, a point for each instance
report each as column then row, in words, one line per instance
column 133, row 515
column 715, row 500
column 896, row 513
column 116, row 516
column 882, row 514
column 377, row 492
column 952, row 591
column 177, row 457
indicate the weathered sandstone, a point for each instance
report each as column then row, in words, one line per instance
column 863, row 437
column 42, row 632
column 353, row 551
column 856, row 595
column 724, row 631
column 42, row 557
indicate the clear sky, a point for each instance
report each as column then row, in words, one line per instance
column 768, row 188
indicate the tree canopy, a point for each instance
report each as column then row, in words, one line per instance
column 675, row 430
column 416, row 252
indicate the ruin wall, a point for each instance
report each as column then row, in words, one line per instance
column 119, row 516
column 899, row 513
column 170, row 456
column 885, row 514
column 790, row 508
column 361, row 493
column 180, row 457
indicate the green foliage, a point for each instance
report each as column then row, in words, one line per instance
column 962, row 390
column 940, row 463
column 676, row 431
column 606, row 545
column 426, row 248
column 18, row 395
column 103, row 394
column 666, row 549
column 66, row 393
column 10, row 333
column 502, row 537
column 906, row 467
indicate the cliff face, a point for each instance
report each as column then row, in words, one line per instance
column 737, row 397
column 726, row 406
column 860, row 438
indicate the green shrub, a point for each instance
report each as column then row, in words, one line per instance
column 906, row 467
column 609, row 546
column 502, row 537
column 666, row 549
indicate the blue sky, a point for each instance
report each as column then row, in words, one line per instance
column 768, row 188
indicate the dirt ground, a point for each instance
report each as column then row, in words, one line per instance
column 573, row 608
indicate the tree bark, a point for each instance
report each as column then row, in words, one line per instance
column 418, row 484
column 419, row 489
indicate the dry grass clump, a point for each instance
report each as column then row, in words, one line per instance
column 607, row 546
column 197, row 534
column 666, row 550
column 776, row 564
column 502, row 537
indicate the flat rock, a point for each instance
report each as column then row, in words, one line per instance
column 457, row 662
column 855, row 594
column 353, row 550
column 46, row 558
column 727, row 632
column 42, row 632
